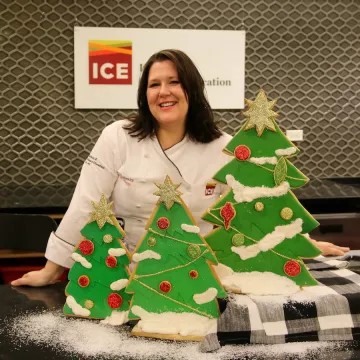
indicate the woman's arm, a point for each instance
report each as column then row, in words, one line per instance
column 98, row 175
column 330, row 249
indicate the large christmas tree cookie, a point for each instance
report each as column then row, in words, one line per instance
column 259, row 221
column 97, row 280
column 175, row 288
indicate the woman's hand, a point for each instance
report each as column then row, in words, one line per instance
column 50, row 274
column 330, row 249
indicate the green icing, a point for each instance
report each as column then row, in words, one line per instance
column 238, row 240
column 174, row 266
column 101, row 276
column 255, row 225
column 250, row 174
column 280, row 171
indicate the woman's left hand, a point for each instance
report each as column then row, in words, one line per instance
column 330, row 249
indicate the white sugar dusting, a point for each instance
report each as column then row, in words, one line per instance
column 93, row 339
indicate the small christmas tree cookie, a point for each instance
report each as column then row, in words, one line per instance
column 97, row 280
column 175, row 289
column 259, row 221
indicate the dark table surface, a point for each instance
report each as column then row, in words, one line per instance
column 19, row 301
column 318, row 195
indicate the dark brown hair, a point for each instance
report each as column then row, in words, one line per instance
column 200, row 124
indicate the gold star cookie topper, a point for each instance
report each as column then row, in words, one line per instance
column 168, row 193
column 102, row 212
column 260, row 114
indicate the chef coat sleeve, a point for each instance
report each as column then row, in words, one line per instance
column 98, row 175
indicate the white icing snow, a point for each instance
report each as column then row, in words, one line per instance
column 306, row 295
column 264, row 160
column 190, row 228
column 76, row 308
column 174, row 323
column 244, row 193
column 222, row 270
column 284, row 152
column 119, row 284
column 116, row 318
column 269, row 241
column 147, row 254
column 206, row 296
column 259, row 283
column 116, row 252
column 77, row 257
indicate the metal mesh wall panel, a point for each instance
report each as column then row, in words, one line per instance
column 305, row 53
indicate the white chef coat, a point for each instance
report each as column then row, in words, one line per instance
column 125, row 169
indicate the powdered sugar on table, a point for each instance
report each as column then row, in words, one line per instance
column 92, row 339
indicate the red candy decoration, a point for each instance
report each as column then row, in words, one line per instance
column 193, row 274
column 163, row 223
column 165, row 286
column 242, row 152
column 83, row 281
column 86, row 247
column 292, row 268
column 111, row 261
column 227, row 212
column 114, row 300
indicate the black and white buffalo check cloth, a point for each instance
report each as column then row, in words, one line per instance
column 329, row 311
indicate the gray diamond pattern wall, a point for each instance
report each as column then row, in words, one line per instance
column 305, row 53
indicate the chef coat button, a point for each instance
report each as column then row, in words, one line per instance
column 143, row 180
column 138, row 206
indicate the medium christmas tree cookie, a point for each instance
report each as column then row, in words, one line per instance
column 174, row 287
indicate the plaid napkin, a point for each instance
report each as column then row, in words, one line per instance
column 329, row 311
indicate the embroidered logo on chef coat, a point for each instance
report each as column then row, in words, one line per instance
column 210, row 188
column 128, row 181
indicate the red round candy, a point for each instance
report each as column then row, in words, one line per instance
column 111, row 261
column 83, row 281
column 114, row 300
column 163, row 223
column 242, row 152
column 292, row 268
column 165, row 286
column 86, row 247
column 193, row 274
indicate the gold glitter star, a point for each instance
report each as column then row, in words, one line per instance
column 102, row 213
column 260, row 114
column 168, row 193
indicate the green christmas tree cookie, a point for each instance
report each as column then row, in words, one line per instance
column 98, row 278
column 259, row 220
column 175, row 288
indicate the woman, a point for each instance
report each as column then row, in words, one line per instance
column 173, row 134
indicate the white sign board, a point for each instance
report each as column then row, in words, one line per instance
column 108, row 63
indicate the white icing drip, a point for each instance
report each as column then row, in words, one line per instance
column 119, row 284
column 269, row 241
column 260, row 283
column 264, row 160
column 284, row 152
column 190, row 228
column 116, row 252
column 206, row 296
column 174, row 323
column 76, row 308
column 244, row 193
column 77, row 257
column 116, row 318
column 147, row 254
